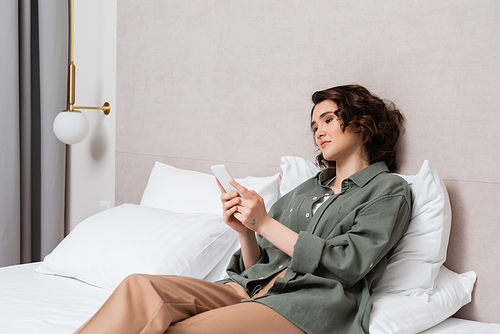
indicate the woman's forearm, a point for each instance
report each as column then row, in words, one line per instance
column 275, row 232
column 250, row 250
column 279, row 235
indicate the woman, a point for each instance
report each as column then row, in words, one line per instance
column 318, row 252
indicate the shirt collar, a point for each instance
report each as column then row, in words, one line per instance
column 360, row 178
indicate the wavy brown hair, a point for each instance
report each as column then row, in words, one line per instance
column 379, row 122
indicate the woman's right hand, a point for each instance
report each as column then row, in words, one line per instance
column 230, row 203
column 250, row 250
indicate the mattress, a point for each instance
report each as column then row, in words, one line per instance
column 31, row 302
column 45, row 304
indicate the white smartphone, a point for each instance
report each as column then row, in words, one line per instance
column 223, row 175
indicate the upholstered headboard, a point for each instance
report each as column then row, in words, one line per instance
column 204, row 82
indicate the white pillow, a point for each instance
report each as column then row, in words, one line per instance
column 395, row 313
column 219, row 271
column 107, row 247
column 295, row 171
column 180, row 190
column 415, row 262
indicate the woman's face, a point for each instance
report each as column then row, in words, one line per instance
column 335, row 144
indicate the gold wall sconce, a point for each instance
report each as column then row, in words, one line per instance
column 71, row 126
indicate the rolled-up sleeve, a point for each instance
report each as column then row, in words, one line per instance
column 307, row 253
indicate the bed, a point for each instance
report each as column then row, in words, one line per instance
column 166, row 235
column 231, row 83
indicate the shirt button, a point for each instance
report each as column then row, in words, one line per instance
column 371, row 265
column 307, row 215
column 291, row 209
column 281, row 266
column 315, row 198
column 261, row 277
column 327, row 194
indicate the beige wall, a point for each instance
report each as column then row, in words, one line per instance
column 201, row 82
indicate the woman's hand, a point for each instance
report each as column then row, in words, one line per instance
column 252, row 214
column 250, row 210
column 249, row 214
column 229, row 207
column 250, row 250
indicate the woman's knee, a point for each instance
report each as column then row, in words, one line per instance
column 135, row 279
column 137, row 282
column 146, row 282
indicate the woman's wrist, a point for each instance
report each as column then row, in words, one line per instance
column 246, row 234
column 264, row 226
column 250, row 250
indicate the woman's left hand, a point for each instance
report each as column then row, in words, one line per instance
column 251, row 210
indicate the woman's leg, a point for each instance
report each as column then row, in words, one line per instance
column 241, row 318
column 150, row 303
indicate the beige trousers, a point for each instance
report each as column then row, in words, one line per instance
column 176, row 305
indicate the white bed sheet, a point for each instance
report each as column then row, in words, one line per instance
column 460, row 326
column 44, row 304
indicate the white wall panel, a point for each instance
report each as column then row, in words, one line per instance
column 91, row 163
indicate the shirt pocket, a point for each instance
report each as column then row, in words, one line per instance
column 337, row 220
column 293, row 215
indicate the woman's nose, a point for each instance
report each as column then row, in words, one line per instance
column 319, row 133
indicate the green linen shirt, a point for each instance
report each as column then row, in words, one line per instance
column 340, row 254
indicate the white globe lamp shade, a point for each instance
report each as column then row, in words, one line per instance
column 71, row 127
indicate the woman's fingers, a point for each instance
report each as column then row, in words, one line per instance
column 244, row 191
column 224, row 194
column 222, row 190
column 229, row 212
column 228, row 196
column 226, row 205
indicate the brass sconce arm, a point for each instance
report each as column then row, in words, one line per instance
column 106, row 107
